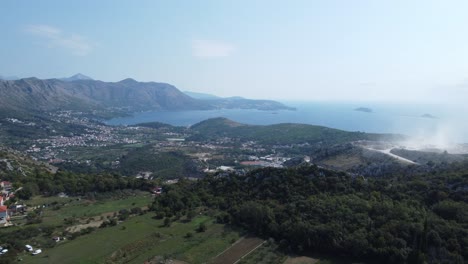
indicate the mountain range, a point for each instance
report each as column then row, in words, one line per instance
column 82, row 93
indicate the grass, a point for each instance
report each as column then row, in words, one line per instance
column 240, row 249
column 83, row 208
column 141, row 238
column 270, row 253
column 343, row 161
column 266, row 254
column 135, row 240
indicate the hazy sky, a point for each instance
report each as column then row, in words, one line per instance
column 309, row 50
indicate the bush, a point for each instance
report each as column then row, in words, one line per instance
column 167, row 222
column 160, row 215
column 201, row 228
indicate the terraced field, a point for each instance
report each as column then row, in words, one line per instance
column 241, row 248
column 141, row 238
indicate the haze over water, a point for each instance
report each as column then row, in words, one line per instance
column 447, row 126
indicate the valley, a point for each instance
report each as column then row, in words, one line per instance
column 233, row 132
column 158, row 193
column 70, row 140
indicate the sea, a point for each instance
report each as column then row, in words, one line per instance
column 430, row 124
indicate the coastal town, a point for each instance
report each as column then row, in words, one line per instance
column 61, row 148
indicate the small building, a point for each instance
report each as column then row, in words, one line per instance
column 156, row 190
column 4, row 217
column 62, row 195
column 6, row 185
column 17, row 208
column 225, row 168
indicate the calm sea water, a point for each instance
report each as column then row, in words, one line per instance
column 449, row 126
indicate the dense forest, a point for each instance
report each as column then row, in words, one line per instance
column 396, row 219
column 43, row 183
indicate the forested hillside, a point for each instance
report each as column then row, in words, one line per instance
column 216, row 128
column 397, row 219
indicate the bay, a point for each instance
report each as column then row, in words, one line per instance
column 447, row 124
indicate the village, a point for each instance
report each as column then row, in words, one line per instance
column 68, row 148
column 10, row 209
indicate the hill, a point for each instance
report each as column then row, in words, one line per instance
column 237, row 102
column 243, row 103
column 82, row 93
column 394, row 219
column 216, row 128
column 33, row 94
column 14, row 164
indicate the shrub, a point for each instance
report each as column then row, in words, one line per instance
column 201, row 228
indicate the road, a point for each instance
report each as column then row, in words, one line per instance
column 387, row 152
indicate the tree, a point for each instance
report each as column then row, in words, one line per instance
column 167, row 222
column 201, row 228
column 190, row 214
column 123, row 214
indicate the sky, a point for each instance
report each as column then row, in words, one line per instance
column 286, row 50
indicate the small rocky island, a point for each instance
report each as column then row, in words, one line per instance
column 428, row 116
column 364, row 109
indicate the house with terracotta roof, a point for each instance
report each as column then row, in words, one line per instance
column 4, row 217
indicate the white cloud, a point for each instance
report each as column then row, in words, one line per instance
column 204, row 48
column 77, row 44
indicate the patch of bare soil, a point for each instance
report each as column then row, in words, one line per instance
column 301, row 260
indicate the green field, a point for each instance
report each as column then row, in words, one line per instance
column 83, row 209
column 268, row 253
column 141, row 238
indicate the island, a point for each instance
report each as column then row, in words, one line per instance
column 364, row 109
column 428, row 116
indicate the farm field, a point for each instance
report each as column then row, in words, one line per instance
column 83, row 208
column 140, row 238
column 267, row 253
column 55, row 209
column 238, row 250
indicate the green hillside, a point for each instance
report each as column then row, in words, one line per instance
column 287, row 133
